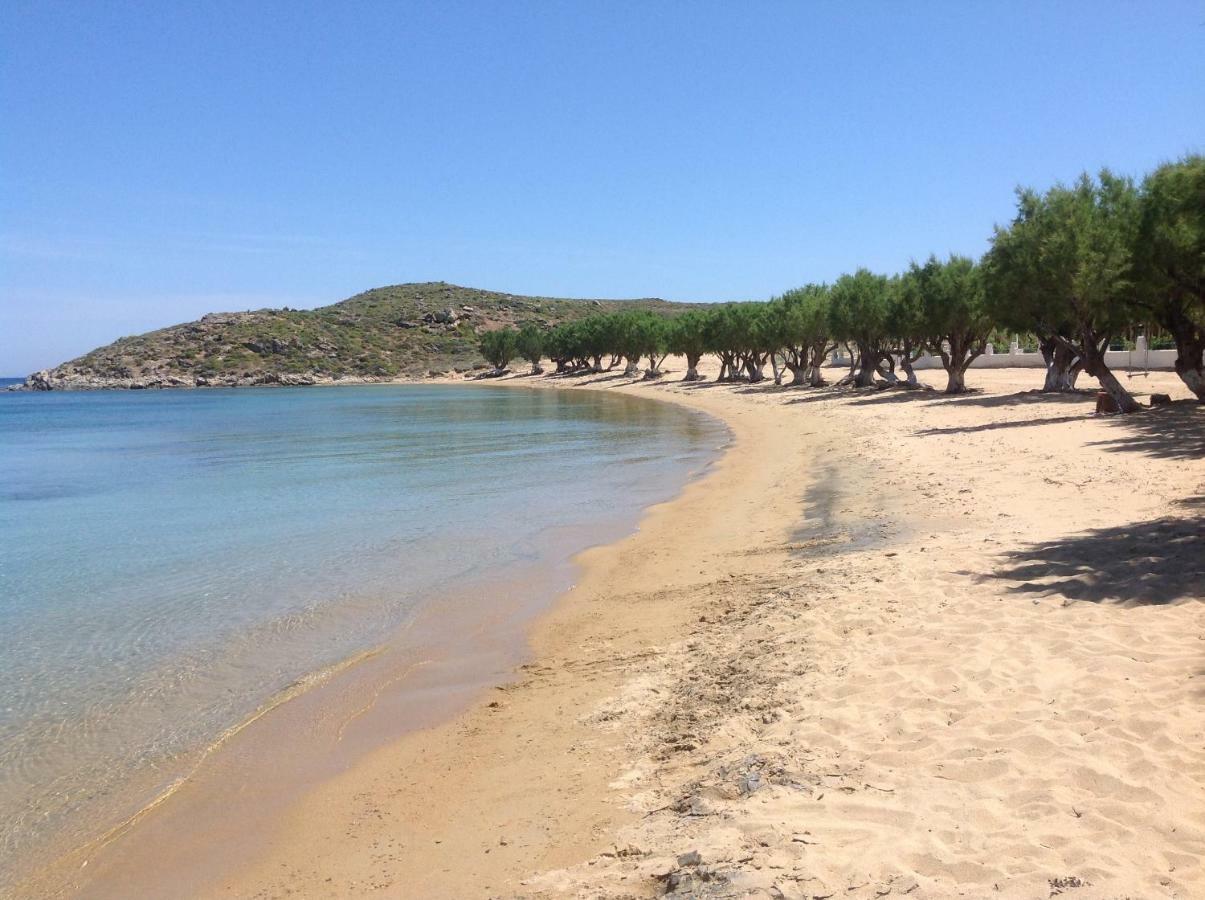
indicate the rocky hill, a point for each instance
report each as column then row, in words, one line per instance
column 405, row 330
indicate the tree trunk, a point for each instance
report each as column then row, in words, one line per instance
column 536, row 368
column 816, row 356
column 1095, row 366
column 692, row 368
column 1193, row 377
column 728, row 368
column 907, row 358
column 867, row 360
column 886, row 368
column 1190, row 345
column 1062, row 366
column 956, row 382
column 1125, row 402
column 957, row 359
column 777, row 371
column 632, row 367
column 798, row 375
column 754, row 367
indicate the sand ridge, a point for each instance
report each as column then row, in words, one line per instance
column 894, row 644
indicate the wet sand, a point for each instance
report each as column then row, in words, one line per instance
column 892, row 643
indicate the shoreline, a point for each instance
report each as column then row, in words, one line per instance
column 432, row 688
column 546, row 634
column 860, row 656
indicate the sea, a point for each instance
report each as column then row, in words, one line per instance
column 171, row 561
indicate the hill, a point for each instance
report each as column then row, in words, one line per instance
column 404, row 330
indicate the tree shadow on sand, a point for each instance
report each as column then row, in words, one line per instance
column 610, row 377
column 995, row 426
column 828, row 392
column 899, row 394
column 882, row 393
column 1176, row 431
column 1155, row 562
column 1024, row 398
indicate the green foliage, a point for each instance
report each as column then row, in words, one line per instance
column 530, row 343
column 1063, row 265
column 805, row 315
column 733, row 328
column 684, row 336
column 860, row 308
column 1169, row 252
column 1063, row 270
column 803, row 330
column 1169, row 261
column 944, row 301
column 860, row 312
column 499, row 347
column 942, row 306
column 648, row 335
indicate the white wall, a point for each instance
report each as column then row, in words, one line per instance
column 1157, row 360
column 1120, row 360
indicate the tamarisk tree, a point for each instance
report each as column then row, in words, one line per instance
column 629, row 334
column 908, row 338
column 499, row 347
column 563, row 345
column 685, row 336
column 804, row 335
column 859, row 314
column 595, row 338
column 1065, row 263
column 953, row 314
column 529, row 343
column 1012, row 302
column 652, row 336
column 723, row 330
column 1169, row 261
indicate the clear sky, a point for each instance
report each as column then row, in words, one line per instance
column 162, row 160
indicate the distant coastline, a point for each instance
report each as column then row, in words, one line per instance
column 401, row 332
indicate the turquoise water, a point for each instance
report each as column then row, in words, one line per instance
column 169, row 561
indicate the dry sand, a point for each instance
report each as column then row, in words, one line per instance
column 892, row 644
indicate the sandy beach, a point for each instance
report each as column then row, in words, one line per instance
column 892, row 643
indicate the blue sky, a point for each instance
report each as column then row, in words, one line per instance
column 162, row 160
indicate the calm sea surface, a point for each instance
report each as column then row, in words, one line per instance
column 171, row 561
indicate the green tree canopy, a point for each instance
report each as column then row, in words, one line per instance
column 1065, row 262
column 1169, row 260
column 859, row 314
column 499, row 347
column 685, row 336
column 950, row 309
column 804, row 332
column 529, row 344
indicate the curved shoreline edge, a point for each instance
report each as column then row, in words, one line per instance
column 76, row 872
column 935, row 688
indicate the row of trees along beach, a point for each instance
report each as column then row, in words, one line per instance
column 1081, row 267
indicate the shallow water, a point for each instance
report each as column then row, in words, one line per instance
column 171, row 561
